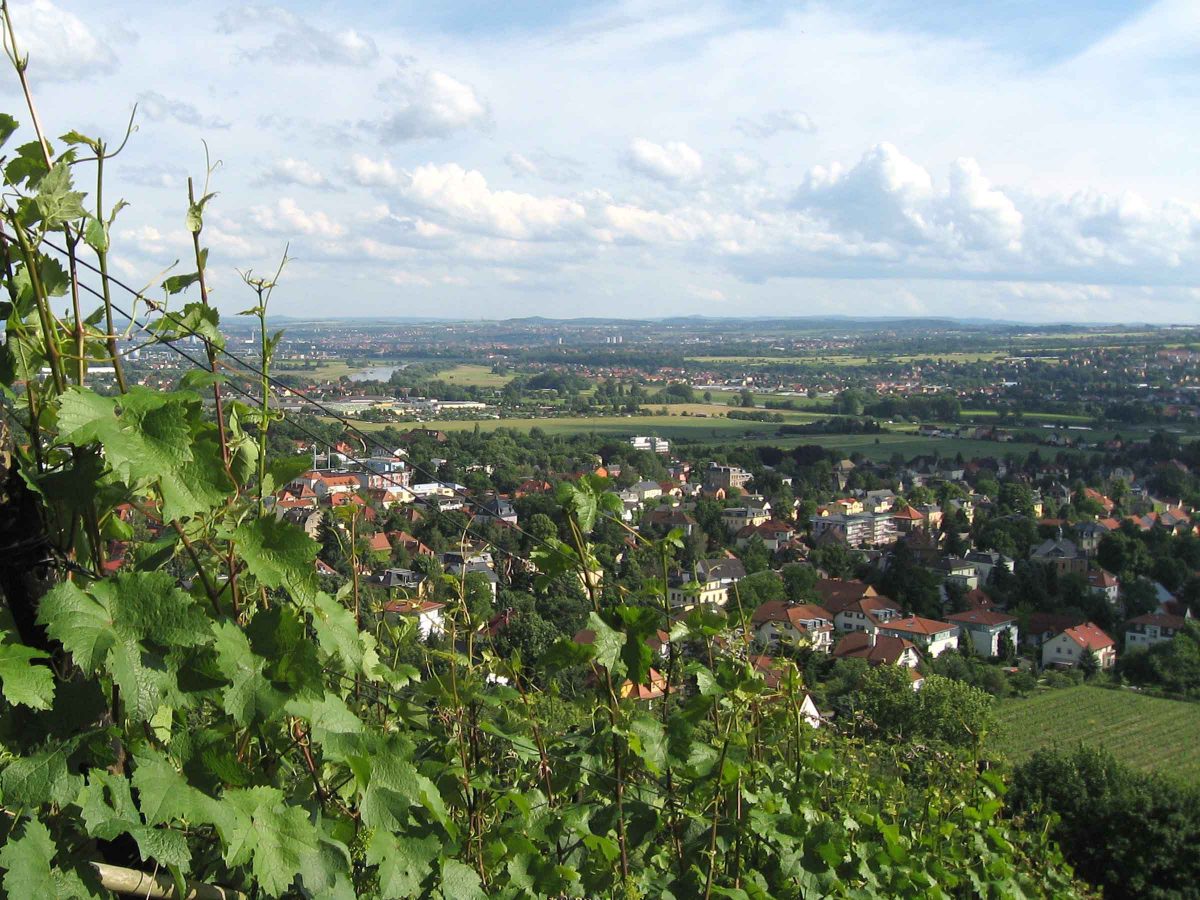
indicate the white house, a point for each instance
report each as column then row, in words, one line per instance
column 426, row 613
column 1153, row 628
column 776, row 620
column 931, row 636
column 714, row 576
column 984, row 627
column 1067, row 649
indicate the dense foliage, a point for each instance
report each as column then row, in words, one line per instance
column 1132, row 834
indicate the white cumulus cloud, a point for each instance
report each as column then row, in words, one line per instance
column 428, row 104
column 462, row 199
column 286, row 217
column 294, row 171
column 673, row 162
column 60, row 46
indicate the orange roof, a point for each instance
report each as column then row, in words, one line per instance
column 917, row 625
column 1089, row 636
column 981, row 617
column 886, row 649
column 379, row 543
column 908, row 512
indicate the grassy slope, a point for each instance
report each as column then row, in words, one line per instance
column 1147, row 733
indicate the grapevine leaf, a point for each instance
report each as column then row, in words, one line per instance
column 279, row 636
column 403, row 864
column 250, row 694
column 29, row 163
column 164, row 795
column 27, row 861
column 460, row 881
column 282, row 470
column 608, row 642
column 108, row 811
column 96, row 235
column 278, row 839
column 24, row 682
column 40, row 778
column 648, row 740
column 280, row 555
column 7, row 126
column 83, row 626
column 55, row 200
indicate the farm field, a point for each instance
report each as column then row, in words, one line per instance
column 318, row 370
column 474, row 376
column 1147, row 733
column 720, row 430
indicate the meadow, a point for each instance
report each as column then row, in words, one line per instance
column 1146, row 733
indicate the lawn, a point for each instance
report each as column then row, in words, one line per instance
column 1147, row 733
column 474, row 376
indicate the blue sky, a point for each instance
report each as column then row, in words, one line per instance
column 1013, row 160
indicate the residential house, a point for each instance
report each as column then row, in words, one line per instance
column 1063, row 554
column 1044, row 627
column 774, row 534
column 714, row 577
column 933, row 515
column 1068, row 649
column 880, row 650
column 932, row 637
column 956, row 571
column 1153, row 628
column 1088, row 535
column 986, row 562
column 497, row 509
column 738, row 517
column 398, row 579
column 797, row 623
column 307, row 519
column 647, row 490
column 984, row 627
column 1104, row 584
column 880, row 501
column 908, row 519
column 667, row 518
column 426, row 613
column 726, row 477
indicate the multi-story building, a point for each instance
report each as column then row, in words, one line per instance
column 1151, row 629
column 861, row 530
column 718, row 476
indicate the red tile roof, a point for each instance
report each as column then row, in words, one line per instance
column 918, row 625
column 886, row 649
column 1089, row 635
column 981, row 617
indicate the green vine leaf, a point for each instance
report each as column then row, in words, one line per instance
column 55, row 200
column 23, row 682
column 30, row 870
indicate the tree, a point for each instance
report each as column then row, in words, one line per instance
column 754, row 590
column 1089, row 665
column 799, row 579
column 1130, row 834
column 746, row 399
column 754, row 555
column 1006, row 649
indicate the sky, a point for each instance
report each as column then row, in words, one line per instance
column 1015, row 160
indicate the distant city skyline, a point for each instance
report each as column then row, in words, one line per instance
column 1019, row 161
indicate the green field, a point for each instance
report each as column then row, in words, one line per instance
column 1147, row 733
column 474, row 376
column 724, row 431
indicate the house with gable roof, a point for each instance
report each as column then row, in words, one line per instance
column 1067, row 649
